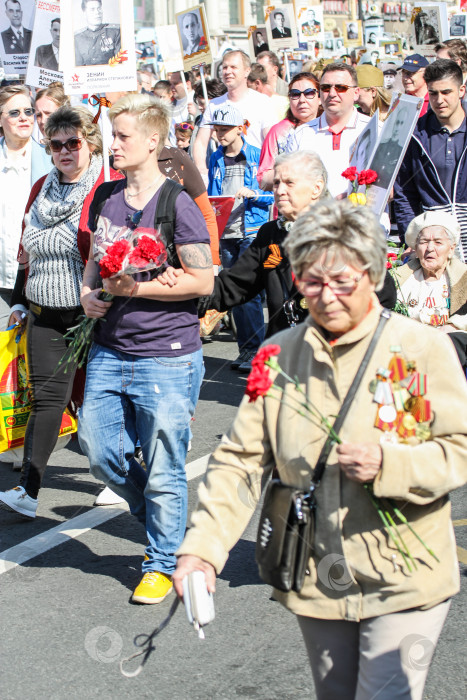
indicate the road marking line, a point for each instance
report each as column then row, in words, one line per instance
column 462, row 555
column 70, row 529
column 459, row 523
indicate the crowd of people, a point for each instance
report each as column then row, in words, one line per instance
column 325, row 270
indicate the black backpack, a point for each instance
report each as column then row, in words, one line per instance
column 164, row 217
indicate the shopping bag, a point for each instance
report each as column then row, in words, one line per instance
column 15, row 395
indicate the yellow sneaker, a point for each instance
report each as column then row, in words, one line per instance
column 153, row 588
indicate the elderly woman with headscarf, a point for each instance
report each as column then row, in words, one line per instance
column 361, row 606
column 432, row 286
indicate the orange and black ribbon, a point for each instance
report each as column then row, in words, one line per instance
column 102, row 102
column 274, row 257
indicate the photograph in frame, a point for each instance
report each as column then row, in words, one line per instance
column 193, row 36
column 458, row 26
column 391, row 147
column 374, row 31
column 97, row 46
column 353, row 33
column 333, row 47
column 16, row 25
column 43, row 65
column 281, row 27
column 430, row 25
column 389, row 47
column 310, row 23
column 295, row 66
column 257, row 40
column 362, row 150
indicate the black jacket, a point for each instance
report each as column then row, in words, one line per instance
column 264, row 266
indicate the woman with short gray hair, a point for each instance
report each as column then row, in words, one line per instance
column 364, row 604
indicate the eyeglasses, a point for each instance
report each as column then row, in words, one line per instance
column 184, row 125
column 73, row 144
column 313, row 287
column 15, row 113
column 325, row 87
column 134, row 221
column 308, row 94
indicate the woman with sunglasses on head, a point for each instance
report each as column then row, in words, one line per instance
column 53, row 252
column 304, row 106
column 22, row 162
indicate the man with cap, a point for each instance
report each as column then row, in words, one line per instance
column 390, row 75
column 433, row 173
column 232, row 171
column 413, row 70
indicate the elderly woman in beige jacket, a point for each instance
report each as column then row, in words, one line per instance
column 360, row 609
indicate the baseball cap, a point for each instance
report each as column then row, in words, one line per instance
column 226, row 115
column 369, row 76
column 414, row 62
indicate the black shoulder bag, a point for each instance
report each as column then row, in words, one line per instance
column 286, row 527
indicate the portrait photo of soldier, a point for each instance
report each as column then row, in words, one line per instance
column 260, row 41
column 16, row 39
column 311, row 27
column 191, row 32
column 389, row 151
column 280, row 25
column 426, row 29
column 47, row 54
column 99, row 41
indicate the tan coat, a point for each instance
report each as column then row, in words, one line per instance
column 372, row 579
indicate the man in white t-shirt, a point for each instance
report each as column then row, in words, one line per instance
column 333, row 134
column 254, row 107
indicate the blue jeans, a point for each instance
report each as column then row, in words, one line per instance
column 248, row 317
column 151, row 399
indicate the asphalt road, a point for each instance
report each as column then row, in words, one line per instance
column 66, row 615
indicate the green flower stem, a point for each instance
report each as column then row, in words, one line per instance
column 381, row 514
column 401, row 539
column 404, row 520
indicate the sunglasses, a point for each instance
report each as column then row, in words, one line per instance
column 73, row 144
column 308, row 94
column 325, row 87
column 184, row 125
column 134, row 221
column 14, row 113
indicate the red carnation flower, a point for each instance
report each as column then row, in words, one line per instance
column 258, row 382
column 112, row 262
column 350, row 174
column 264, row 354
column 367, row 177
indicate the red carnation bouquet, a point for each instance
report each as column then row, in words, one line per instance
column 260, row 384
column 364, row 177
column 142, row 251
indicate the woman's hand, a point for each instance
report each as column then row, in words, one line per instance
column 92, row 305
column 188, row 563
column 169, row 276
column 121, row 286
column 245, row 192
column 360, row 461
column 19, row 317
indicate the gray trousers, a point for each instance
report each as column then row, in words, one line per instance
column 381, row 658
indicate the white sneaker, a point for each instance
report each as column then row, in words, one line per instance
column 108, row 498
column 18, row 501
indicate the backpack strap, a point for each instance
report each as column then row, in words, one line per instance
column 164, row 218
column 101, row 195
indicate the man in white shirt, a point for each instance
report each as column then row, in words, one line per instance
column 180, row 101
column 254, row 107
column 332, row 134
column 16, row 39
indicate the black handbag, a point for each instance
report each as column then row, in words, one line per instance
column 286, row 528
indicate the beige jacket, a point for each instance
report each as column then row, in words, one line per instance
column 456, row 272
column 356, row 572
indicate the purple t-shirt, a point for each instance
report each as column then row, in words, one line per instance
column 147, row 327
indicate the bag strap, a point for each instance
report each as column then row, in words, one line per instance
column 164, row 218
column 328, row 445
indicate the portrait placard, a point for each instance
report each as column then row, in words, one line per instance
column 429, row 24
column 43, row 64
column 362, row 150
column 193, row 36
column 390, row 47
column 281, row 26
column 310, row 23
column 16, row 23
column 391, row 147
column 257, row 40
column 353, row 35
column 97, row 51
column 458, row 26
column 333, row 46
column 169, row 47
column 374, row 29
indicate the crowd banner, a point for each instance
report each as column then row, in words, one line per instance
column 310, row 24
column 257, row 40
column 169, row 47
column 97, row 46
column 429, row 25
column 193, row 34
column 364, row 147
column 16, row 23
column 391, row 147
column 281, row 27
column 43, row 64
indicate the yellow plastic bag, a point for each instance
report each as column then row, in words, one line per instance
column 15, row 397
